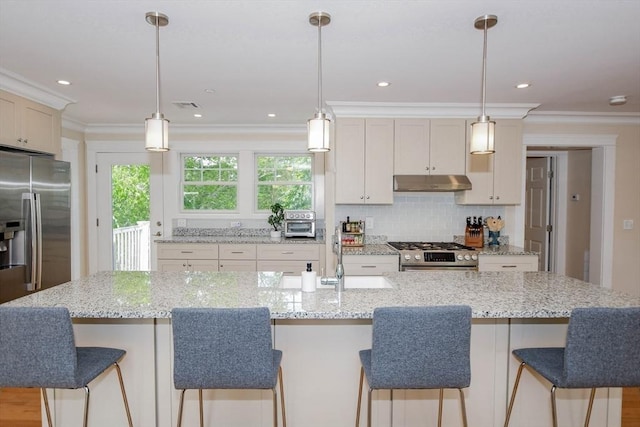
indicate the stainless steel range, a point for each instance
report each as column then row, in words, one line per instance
column 435, row 256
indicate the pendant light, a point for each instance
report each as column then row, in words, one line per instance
column 156, row 128
column 483, row 131
column 318, row 127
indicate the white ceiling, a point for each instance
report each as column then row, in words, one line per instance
column 260, row 56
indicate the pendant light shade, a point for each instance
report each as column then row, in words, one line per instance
column 156, row 128
column 483, row 130
column 318, row 127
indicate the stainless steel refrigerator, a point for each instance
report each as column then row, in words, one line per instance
column 35, row 247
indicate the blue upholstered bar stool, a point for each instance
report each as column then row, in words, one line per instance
column 418, row 348
column 222, row 348
column 37, row 349
column 602, row 350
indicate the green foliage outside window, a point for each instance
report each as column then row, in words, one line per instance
column 210, row 182
column 129, row 194
column 287, row 180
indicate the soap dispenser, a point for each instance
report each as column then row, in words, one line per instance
column 308, row 279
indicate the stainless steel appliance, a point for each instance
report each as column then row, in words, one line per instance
column 35, row 248
column 435, row 256
column 299, row 223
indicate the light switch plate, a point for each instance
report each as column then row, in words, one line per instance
column 182, row 222
column 369, row 223
column 627, row 224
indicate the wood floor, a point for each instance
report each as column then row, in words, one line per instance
column 20, row 407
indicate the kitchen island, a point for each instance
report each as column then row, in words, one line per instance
column 320, row 334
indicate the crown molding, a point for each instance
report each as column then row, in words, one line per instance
column 579, row 117
column 427, row 110
column 20, row 86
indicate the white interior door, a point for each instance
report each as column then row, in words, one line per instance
column 536, row 233
column 128, row 209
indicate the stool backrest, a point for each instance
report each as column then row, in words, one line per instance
column 222, row 348
column 421, row 347
column 37, row 347
column 603, row 348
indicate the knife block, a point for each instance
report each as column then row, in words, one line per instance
column 474, row 237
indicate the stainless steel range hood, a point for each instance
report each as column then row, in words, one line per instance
column 429, row 183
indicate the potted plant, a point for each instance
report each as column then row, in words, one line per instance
column 276, row 220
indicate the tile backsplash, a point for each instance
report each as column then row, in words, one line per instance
column 418, row 217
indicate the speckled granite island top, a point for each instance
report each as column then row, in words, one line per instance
column 491, row 295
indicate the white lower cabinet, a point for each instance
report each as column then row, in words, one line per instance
column 237, row 257
column 369, row 265
column 290, row 259
column 508, row 263
column 187, row 257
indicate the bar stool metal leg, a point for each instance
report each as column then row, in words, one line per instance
column 369, row 407
column 554, row 411
column 200, row 403
column 124, row 395
column 591, row 397
column 284, row 416
column 46, row 406
column 86, row 406
column 441, row 395
column 513, row 394
column 359, row 397
column 180, row 407
column 463, row 408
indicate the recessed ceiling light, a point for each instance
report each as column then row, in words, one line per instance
column 618, row 100
column 384, row 84
column 209, row 90
column 64, row 82
column 523, row 85
column 197, row 115
column 271, row 115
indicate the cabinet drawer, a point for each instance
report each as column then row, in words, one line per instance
column 237, row 265
column 508, row 263
column 240, row 251
column 187, row 251
column 289, row 252
column 288, row 268
column 369, row 265
column 187, row 265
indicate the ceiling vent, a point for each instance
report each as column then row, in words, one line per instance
column 186, row 105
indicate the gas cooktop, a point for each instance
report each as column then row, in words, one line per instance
column 430, row 246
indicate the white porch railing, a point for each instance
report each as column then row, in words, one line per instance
column 131, row 247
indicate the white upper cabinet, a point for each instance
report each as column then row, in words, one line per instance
column 364, row 161
column 429, row 147
column 28, row 125
column 496, row 178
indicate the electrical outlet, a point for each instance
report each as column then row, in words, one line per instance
column 182, row 222
column 575, row 197
column 627, row 224
column 369, row 223
column 236, row 224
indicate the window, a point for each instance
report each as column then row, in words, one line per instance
column 209, row 183
column 287, row 179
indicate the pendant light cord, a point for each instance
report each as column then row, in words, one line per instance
column 484, row 70
column 157, row 66
column 319, row 64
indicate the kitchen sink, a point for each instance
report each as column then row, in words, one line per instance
column 350, row 282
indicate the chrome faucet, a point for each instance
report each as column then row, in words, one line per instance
column 338, row 280
column 339, row 266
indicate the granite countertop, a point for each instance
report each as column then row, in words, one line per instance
column 490, row 294
column 242, row 239
column 370, row 249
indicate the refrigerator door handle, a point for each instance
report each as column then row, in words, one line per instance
column 38, row 284
column 32, row 242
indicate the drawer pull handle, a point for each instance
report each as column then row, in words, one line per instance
column 237, row 252
column 287, row 253
column 509, row 266
column 186, row 252
column 369, row 266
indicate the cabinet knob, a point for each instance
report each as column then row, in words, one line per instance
column 158, row 223
column 497, row 197
column 361, row 197
column 184, row 264
column 433, row 168
column 367, row 197
column 490, row 197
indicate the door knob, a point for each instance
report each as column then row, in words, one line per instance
column 158, row 223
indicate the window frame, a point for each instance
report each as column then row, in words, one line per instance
column 311, row 182
column 182, row 182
